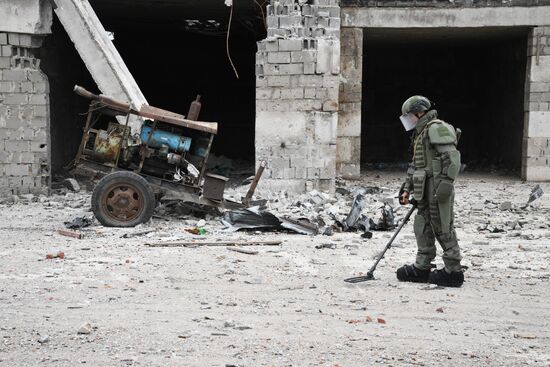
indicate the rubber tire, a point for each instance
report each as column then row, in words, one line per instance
column 121, row 177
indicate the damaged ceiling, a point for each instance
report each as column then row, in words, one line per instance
column 195, row 14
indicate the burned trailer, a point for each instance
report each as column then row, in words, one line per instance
column 166, row 159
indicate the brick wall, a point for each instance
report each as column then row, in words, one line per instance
column 297, row 79
column 443, row 3
column 536, row 141
column 24, row 116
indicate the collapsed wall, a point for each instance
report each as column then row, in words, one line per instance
column 24, row 116
column 297, row 81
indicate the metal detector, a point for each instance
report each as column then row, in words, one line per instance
column 370, row 273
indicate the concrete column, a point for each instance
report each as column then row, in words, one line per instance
column 348, row 158
column 297, row 79
column 536, row 136
column 24, row 116
column 99, row 54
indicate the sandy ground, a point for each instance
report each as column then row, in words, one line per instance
column 285, row 306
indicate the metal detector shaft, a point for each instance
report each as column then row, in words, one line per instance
column 370, row 273
column 405, row 220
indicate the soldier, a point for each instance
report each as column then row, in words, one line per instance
column 430, row 178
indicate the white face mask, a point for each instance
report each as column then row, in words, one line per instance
column 409, row 121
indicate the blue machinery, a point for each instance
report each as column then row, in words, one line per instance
column 174, row 142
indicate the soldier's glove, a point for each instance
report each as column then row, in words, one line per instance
column 404, row 198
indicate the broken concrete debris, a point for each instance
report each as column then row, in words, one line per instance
column 85, row 329
column 535, row 194
column 79, row 222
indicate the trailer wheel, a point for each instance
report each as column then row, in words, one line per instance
column 123, row 199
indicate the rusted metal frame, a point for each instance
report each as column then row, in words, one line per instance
column 123, row 140
column 205, row 160
column 86, row 131
column 254, row 184
column 112, row 103
column 144, row 151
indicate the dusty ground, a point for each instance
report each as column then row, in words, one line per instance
column 287, row 305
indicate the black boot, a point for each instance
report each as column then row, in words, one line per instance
column 410, row 273
column 444, row 279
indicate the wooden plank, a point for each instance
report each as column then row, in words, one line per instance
column 176, row 119
column 220, row 243
column 242, row 250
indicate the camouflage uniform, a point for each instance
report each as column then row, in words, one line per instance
column 430, row 178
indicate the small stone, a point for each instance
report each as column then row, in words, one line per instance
column 506, row 205
column 44, row 339
column 86, row 328
column 71, row 184
column 201, row 223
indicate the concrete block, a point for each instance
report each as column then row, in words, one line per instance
column 278, row 163
column 303, row 56
column 290, row 44
column 14, row 122
column 17, row 146
column 271, row 45
column 324, row 56
column 313, row 173
column 26, row 87
column 37, row 146
column 540, row 87
column 306, row 105
column 349, row 123
column 278, row 106
column 16, row 98
column 7, row 51
column 3, row 38
column 540, row 72
column 5, row 62
column 536, row 147
column 278, row 57
column 307, row 81
column 13, row 39
column 8, row 87
column 16, row 75
column 272, row 21
column 349, row 171
column 538, row 124
column 309, row 92
column 289, row 173
column 17, row 170
column 274, row 127
column 278, row 80
column 292, row 93
column 330, row 105
column 268, row 93
column 37, row 76
column 309, row 68
column 40, row 111
column 25, row 40
column 325, row 127
column 284, row 69
column 539, row 173
column 344, row 150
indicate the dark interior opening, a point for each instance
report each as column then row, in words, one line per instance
column 174, row 52
column 475, row 76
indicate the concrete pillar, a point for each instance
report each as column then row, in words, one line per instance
column 297, row 79
column 536, row 136
column 348, row 158
column 24, row 116
column 99, row 54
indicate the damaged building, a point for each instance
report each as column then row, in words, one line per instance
column 313, row 87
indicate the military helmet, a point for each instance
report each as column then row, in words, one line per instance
column 416, row 104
